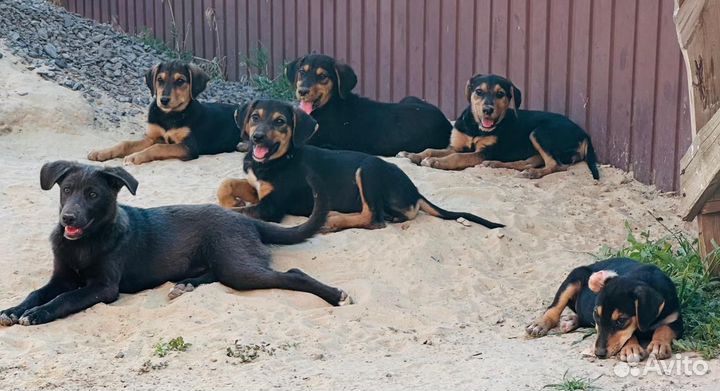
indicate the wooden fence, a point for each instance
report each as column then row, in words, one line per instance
column 613, row 66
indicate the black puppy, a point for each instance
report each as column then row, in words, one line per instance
column 626, row 301
column 179, row 126
column 494, row 131
column 364, row 190
column 102, row 249
column 347, row 121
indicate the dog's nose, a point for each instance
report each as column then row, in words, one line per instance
column 488, row 110
column 165, row 100
column 68, row 219
column 303, row 91
column 258, row 137
column 601, row 352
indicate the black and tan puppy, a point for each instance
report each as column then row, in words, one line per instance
column 102, row 249
column 347, row 121
column 179, row 126
column 364, row 190
column 493, row 131
column 626, row 301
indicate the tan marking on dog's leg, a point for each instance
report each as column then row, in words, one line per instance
column 551, row 317
column 152, row 134
column 632, row 351
column 520, row 165
column 339, row 221
column 551, row 165
column 455, row 161
column 661, row 344
column 158, row 152
column 236, row 192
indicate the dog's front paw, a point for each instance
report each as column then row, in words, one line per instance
column 179, row 289
column 531, row 173
column 431, row 162
column 414, row 157
column 134, row 159
column 632, row 352
column 569, row 323
column 99, row 156
column 10, row 316
column 491, row 163
column 659, row 349
column 33, row 316
column 540, row 327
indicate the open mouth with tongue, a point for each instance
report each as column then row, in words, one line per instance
column 308, row 106
column 262, row 152
column 74, row 233
column 487, row 123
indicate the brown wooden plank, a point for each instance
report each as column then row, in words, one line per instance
column 356, row 19
column 667, row 95
column 290, row 30
column 371, row 55
column 558, row 56
column 598, row 115
column 416, row 48
column 328, row 27
column 465, row 54
column 448, row 55
column 253, row 30
column 432, row 53
column 231, row 38
column 303, row 27
column 518, row 43
column 385, row 54
column 483, row 34
column 399, row 50
column 578, row 93
column 499, row 41
column 535, row 88
column 622, row 73
column 644, row 79
column 683, row 129
column 341, row 46
column 316, row 25
column 709, row 226
column 699, row 175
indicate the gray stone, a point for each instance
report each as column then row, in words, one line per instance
column 51, row 50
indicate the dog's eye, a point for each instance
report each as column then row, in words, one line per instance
column 179, row 82
column 323, row 76
column 161, row 80
column 66, row 189
column 301, row 72
column 620, row 323
column 500, row 95
column 478, row 92
column 254, row 118
column 279, row 121
column 92, row 194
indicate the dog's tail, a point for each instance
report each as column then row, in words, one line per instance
column 434, row 210
column 274, row 234
column 591, row 160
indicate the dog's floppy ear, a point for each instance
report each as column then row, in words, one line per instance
column 470, row 84
column 118, row 178
column 649, row 304
column 242, row 114
column 304, row 127
column 516, row 96
column 598, row 280
column 198, row 80
column 150, row 78
column 292, row 67
column 346, row 77
column 52, row 173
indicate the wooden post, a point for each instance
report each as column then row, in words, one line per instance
column 698, row 28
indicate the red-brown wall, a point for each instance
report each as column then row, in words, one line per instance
column 613, row 66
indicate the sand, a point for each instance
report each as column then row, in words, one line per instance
column 438, row 305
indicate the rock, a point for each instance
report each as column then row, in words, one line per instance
column 60, row 63
column 51, row 50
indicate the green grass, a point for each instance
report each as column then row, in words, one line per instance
column 679, row 257
column 259, row 65
column 176, row 344
column 571, row 383
column 146, row 37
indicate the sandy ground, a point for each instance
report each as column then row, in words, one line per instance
column 438, row 305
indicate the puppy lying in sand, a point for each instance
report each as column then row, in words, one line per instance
column 102, row 249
